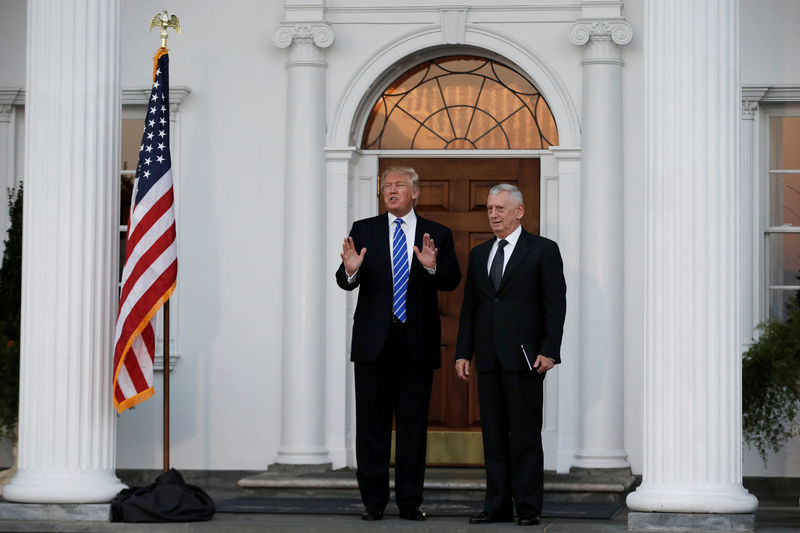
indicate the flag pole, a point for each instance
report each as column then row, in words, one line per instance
column 163, row 21
column 166, row 385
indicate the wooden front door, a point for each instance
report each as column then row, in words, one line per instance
column 453, row 193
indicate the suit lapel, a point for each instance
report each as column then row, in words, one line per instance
column 383, row 252
column 482, row 260
column 521, row 249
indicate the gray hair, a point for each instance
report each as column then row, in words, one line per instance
column 512, row 191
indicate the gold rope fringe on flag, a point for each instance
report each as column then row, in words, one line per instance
column 160, row 52
column 148, row 393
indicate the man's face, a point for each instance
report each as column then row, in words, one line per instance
column 504, row 213
column 398, row 194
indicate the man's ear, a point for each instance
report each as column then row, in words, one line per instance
column 520, row 211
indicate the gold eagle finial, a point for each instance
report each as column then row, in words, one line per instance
column 164, row 21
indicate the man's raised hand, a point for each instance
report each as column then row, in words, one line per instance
column 352, row 260
column 427, row 256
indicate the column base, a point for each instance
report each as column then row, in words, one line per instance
column 317, row 456
column 86, row 512
column 77, row 487
column 691, row 522
column 674, row 498
column 601, row 459
column 299, row 469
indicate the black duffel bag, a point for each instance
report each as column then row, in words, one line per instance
column 169, row 499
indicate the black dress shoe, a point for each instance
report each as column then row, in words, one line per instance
column 528, row 519
column 413, row 514
column 489, row 518
column 372, row 514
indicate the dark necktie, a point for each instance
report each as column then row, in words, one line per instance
column 496, row 272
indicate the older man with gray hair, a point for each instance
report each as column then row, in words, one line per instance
column 512, row 320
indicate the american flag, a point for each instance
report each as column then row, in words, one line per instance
column 151, row 259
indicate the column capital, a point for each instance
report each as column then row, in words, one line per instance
column 749, row 109
column 286, row 34
column 604, row 37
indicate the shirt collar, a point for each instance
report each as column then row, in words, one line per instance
column 512, row 238
column 408, row 218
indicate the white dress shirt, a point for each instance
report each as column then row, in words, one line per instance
column 409, row 227
column 509, row 248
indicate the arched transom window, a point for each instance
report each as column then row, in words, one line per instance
column 460, row 102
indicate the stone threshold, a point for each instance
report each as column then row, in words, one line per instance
column 455, row 479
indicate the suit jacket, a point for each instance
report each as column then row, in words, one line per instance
column 373, row 314
column 527, row 311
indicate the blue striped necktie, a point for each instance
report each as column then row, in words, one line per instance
column 399, row 270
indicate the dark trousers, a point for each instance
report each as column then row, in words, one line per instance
column 511, row 423
column 388, row 387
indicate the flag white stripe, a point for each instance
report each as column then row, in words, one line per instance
column 159, row 228
column 125, row 384
column 143, row 356
column 144, row 283
column 159, row 189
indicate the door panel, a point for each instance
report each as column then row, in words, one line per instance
column 453, row 192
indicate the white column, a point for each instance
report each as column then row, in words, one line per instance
column 70, row 254
column 567, row 235
column 750, row 222
column 692, row 359
column 304, row 250
column 601, row 241
column 339, row 372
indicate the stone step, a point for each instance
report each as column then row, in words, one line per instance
column 579, row 484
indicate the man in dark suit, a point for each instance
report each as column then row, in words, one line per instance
column 399, row 261
column 512, row 319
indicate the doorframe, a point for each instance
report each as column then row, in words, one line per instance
column 352, row 194
column 351, row 187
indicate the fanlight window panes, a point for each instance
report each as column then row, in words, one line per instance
column 460, row 102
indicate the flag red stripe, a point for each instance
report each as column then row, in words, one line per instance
column 159, row 246
column 119, row 396
column 145, row 304
column 161, row 206
column 135, row 372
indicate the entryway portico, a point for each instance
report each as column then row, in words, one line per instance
column 350, row 193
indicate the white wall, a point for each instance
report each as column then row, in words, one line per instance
column 13, row 18
column 635, row 249
column 226, row 387
column 769, row 32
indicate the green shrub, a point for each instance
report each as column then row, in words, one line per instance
column 10, row 295
column 770, row 376
column 9, row 386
